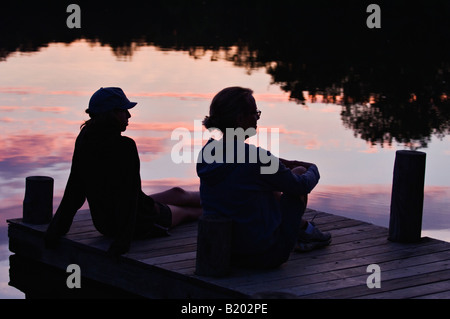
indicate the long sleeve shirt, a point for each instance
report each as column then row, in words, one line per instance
column 236, row 187
column 105, row 171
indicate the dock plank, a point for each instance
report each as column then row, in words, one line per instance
column 321, row 269
column 165, row 267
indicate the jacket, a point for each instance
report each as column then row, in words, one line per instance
column 238, row 189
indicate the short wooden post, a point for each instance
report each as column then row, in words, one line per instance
column 38, row 201
column 405, row 224
column 213, row 246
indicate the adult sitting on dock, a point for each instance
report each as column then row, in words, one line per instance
column 106, row 171
column 266, row 208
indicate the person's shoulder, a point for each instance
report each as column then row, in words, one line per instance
column 127, row 141
column 261, row 151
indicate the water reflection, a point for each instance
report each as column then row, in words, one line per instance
column 393, row 82
column 374, row 203
column 411, row 124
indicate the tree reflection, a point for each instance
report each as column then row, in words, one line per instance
column 411, row 124
column 392, row 82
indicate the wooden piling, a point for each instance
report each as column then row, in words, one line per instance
column 213, row 246
column 407, row 196
column 38, row 201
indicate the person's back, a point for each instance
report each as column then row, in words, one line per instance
column 99, row 160
column 240, row 191
column 236, row 191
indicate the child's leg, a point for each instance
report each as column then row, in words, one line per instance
column 184, row 205
column 182, row 214
column 178, row 197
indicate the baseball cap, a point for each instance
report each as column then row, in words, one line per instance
column 107, row 99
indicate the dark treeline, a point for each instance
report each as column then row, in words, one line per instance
column 323, row 47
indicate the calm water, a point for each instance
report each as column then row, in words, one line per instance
column 43, row 96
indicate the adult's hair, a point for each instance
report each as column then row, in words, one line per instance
column 226, row 106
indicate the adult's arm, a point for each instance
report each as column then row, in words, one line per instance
column 284, row 180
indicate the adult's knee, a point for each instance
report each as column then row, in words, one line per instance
column 299, row 170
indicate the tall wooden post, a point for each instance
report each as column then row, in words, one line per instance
column 405, row 224
column 213, row 246
column 38, row 201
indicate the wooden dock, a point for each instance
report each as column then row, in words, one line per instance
column 165, row 267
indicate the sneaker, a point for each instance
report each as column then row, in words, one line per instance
column 303, row 247
column 314, row 240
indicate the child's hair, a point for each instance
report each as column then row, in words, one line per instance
column 103, row 121
column 226, row 107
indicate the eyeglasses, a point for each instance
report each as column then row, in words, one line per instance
column 258, row 113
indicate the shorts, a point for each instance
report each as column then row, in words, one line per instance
column 154, row 220
column 164, row 216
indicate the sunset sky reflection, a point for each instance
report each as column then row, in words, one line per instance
column 43, row 97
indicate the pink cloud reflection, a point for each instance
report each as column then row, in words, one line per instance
column 50, row 109
column 21, row 153
column 6, row 120
column 150, row 144
column 5, row 108
column 27, row 90
column 160, row 126
column 44, row 109
column 267, row 97
column 26, row 148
